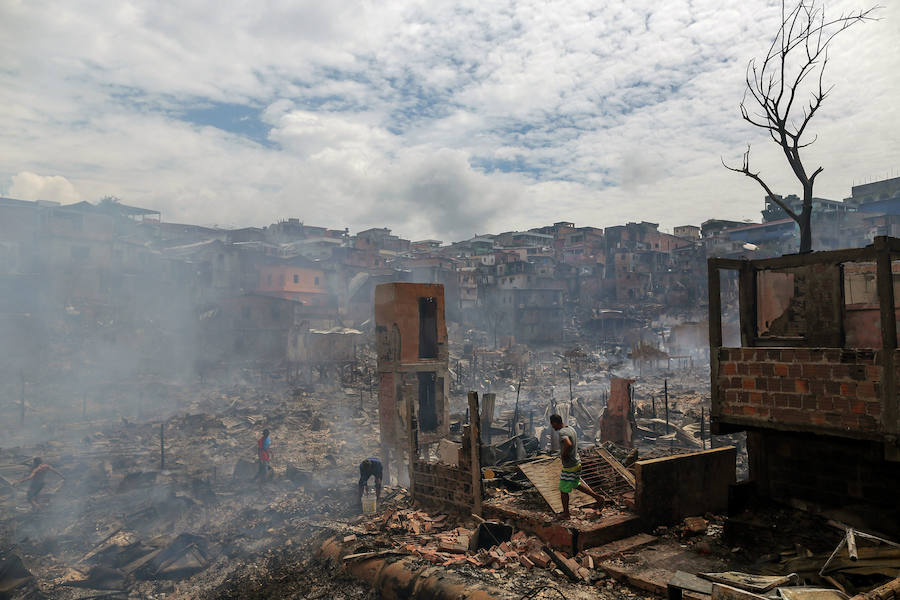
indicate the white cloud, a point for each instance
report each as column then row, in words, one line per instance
column 31, row 186
column 407, row 114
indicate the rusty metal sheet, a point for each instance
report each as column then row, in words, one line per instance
column 544, row 474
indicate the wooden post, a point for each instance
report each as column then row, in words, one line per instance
column 702, row 428
column 715, row 334
column 666, row 395
column 162, row 446
column 885, row 287
column 653, row 402
column 412, row 448
column 475, row 449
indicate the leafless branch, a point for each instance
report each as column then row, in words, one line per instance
column 745, row 169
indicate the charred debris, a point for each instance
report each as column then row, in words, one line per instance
column 749, row 451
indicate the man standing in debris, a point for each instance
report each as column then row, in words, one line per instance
column 371, row 467
column 264, row 453
column 570, row 477
column 38, row 475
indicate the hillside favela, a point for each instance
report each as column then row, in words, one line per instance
column 462, row 302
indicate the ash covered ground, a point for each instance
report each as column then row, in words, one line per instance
column 121, row 524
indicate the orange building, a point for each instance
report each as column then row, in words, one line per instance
column 300, row 283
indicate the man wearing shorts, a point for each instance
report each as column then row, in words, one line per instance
column 570, row 477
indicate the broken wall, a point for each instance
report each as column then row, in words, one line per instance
column 827, row 472
column 674, row 487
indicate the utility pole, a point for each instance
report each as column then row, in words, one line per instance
column 703, row 427
column 162, row 446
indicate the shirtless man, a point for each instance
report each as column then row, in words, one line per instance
column 38, row 474
column 570, row 478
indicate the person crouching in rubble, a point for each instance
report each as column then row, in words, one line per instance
column 38, row 474
column 371, row 467
column 570, row 477
column 264, row 453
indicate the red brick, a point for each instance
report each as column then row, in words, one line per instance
column 840, row 371
column 795, row 370
column 730, row 396
column 781, row 400
column 749, row 383
column 848, row 389
column 801, row 386
column 858, row 407
column 826, row 404
column 787, row 355
column 866, row 390
column 729, row 368
column 841, row 404
column 873, row 372
column 781, row 369
column 873, row 408
column 756, row 398
column 754, row 369
column 743, row 368
column 809, row 403
column 795, row 401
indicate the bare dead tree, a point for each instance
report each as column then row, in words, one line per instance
column 793, row 67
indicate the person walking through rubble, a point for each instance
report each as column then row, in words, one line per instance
column 38, row 476
column 264, row 453
column 570, row 477
column 371, row 467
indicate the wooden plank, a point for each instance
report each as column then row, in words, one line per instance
column 544, row 474
column 619, row 467
column 726, row 592
column 619, row 546
column 758, row 584
column 475, row 453
column 689, row 581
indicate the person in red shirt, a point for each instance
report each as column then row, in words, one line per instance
column 264, row 453
column 38, row 475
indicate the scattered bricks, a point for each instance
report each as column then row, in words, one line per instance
column 525, row 562
column 695, row 525
column 349, row 538
column 587, row 561
column 801, row 386
column 519, row 536
column 540, row 558
column 453, row 548
column 584, row 573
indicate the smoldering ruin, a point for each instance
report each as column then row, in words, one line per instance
column 737, row 417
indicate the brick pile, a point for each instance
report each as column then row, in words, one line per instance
column 824, row 387
column 437, row 540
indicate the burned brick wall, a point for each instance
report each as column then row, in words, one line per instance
column 828, row 472
column 446, row 486
column 443, row 486
column 834, row 390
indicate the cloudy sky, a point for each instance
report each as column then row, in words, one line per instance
column 436, row 119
